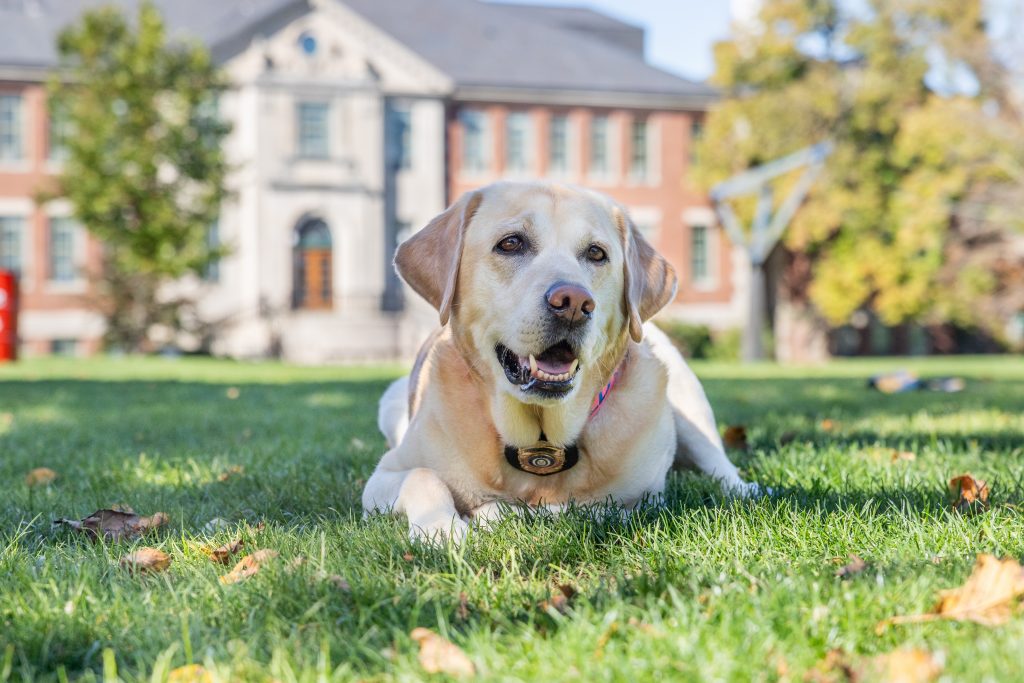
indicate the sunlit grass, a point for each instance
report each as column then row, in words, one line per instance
column 703, row 589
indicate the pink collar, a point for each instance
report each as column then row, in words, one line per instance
column 602, row 395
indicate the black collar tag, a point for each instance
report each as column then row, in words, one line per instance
column 543, row 458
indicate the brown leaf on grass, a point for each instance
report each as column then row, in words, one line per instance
column 855, row 566
column 559, row 600
column 438, row 655
column 988, row 597
column 40, row 476
column 234, row 470
column 146, row 561
column 463, row 611
column 735, row 436
column 232, row 393
column 248, row 566
column 829, row 425
column 408, row 557
column 903, row 455
column 114, row 525
column 908, row 665
column 191, row 673
column 223, row 554
column 967, row 494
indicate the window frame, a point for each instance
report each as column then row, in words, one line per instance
column 605, row 172
column 475, row 159
column 20, row 224
column 14, row 128
column 640, row 165
column 525, row 135
column 304, row 143
column 73, row 232
column 566, row 143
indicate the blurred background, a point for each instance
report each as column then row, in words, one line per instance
column 233, row 177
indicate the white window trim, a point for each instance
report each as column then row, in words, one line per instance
column 297, row 124
column 529, row 147
column 22, row 163
column 23, row 208
column 487, row 142
column 705, row 217
column 572, row 148
column 62, row 209
column 652, row 174
column 612, row 176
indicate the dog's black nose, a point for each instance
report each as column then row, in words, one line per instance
column 569, row 301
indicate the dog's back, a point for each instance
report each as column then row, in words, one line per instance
column 393, row 411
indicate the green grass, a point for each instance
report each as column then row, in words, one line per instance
column 704, row 589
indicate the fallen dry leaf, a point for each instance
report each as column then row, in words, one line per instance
column 988, row 597
column 114, row 525
column 230, row 472
column 408, row 557
column 438, row 655
column 854, row 566
column 40, row 476
column 248, row 565
column 192, row 673
column 912, row 665
column 967, row 494
column 224, row 553
column 146, row 560
column 903, row 455
column 232, row 393
column 559, row 600
column 828, row 425
column 735, row 436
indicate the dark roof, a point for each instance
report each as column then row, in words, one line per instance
column 585, row 20
column 29, row 28
column 478, row 45
column 494, row 45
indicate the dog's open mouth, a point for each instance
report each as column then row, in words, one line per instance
column 550, row 372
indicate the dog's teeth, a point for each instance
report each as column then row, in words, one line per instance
column 533, row 365
column 575, row 364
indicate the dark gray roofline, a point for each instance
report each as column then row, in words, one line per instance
column 587, row 98
column 227, row 48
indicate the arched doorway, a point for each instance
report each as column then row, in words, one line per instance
column 313, row 272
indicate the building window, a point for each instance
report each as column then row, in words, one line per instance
column 517, row 142
column 558, row 144
column 314, row 266
column 600, row 140
column 400, row 138
column 64, row 347
column 62, row 250
column 12, row 229
column 57, row 135
column 639, row 149
column 211, row 273
column 11, row 128
column 314, row 140
column 696, row 135
column 700, row 254
column 475, row 140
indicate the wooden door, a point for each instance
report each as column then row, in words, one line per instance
column 316, row 279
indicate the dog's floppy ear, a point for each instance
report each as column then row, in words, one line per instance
column 650, row 280
column 429, row 260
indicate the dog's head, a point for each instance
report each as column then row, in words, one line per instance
column 539, row 281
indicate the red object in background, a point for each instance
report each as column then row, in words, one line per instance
column 8, row 316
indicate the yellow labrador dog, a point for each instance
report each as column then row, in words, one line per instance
column 544, row 387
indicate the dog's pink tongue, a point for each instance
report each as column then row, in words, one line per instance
column 553, row 367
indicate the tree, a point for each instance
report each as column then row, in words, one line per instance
column 145, row 172
column 916, row 104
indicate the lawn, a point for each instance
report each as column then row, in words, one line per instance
column 703, row 589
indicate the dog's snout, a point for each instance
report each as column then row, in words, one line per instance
column 569, row 301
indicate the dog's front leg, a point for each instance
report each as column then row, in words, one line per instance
column 421, row 496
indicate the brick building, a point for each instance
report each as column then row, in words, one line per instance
column 355, row 121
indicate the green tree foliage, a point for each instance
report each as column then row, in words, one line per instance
column 915, row 102
column 145, row 171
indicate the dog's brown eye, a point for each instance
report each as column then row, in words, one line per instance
column 510, row 244
column 596, row 254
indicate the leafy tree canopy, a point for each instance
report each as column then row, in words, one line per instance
column 144, row 169
column 915, row 101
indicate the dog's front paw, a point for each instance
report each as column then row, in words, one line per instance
column 439, row 530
